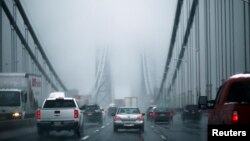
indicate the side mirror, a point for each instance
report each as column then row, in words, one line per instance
column 202, row 102
column 24, row 97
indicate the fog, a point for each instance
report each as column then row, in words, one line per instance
column 71, row 32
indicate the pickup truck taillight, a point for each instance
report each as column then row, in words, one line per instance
column 235, row 117
column 76, row 113
column 38, row 114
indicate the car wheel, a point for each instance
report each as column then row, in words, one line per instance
column 79, row 132
column 183, row 119
column 40, row 131
column 101, row 122
column 142, row 129
column 115, row 129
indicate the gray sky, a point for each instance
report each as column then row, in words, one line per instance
column 71, row 30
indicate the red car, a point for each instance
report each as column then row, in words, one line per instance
column 232, row 103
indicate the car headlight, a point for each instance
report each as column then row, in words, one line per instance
column 16, row 114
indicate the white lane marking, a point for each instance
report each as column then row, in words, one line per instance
column 103, row 127
column 163, row 137
column 97, row 130
column 152, row 126
column 86, row 137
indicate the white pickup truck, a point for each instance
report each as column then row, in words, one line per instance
column 59, row 113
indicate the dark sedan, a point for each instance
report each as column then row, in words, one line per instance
column 162, row 114
column 191, row 112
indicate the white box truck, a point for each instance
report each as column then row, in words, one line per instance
column 131, row 101
column 20, row 95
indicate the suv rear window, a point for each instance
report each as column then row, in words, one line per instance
column 239, row 92
column 59, row 103
column 192, row 107
column 90, row 107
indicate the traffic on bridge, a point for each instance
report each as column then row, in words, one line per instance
column 119, row 70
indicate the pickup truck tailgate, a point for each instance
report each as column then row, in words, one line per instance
column 57, row 114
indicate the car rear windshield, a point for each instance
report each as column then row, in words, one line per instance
column 239, row 92
column 90, row 107
column 192, row 107
column 162, row 110
column 59, row 103
column 128, row 111
column 112, row 109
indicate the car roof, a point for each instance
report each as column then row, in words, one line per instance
column 240, row 75
column 64, row 98
column 129, row 107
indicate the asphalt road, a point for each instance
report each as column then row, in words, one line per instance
column 176, row 131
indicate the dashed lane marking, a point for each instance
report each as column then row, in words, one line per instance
column 97, row 130
column 163, row 137
column 103, row 127
column 85, row 138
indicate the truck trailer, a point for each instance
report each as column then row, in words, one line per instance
column 20, row 95
column 131, row 101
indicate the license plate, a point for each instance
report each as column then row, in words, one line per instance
column 128, row 124
column 57, row 123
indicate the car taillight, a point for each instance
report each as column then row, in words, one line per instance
column 170, row 114
column 76, row 113
column 154, row 114
column 140, row 117
column 235, row 117
column 117, row 117
column 38, row 114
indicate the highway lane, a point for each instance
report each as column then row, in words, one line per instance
column 177, row 131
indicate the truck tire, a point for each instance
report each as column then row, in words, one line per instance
column 40, row 131
column 79, row 132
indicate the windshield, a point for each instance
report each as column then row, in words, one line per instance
column 128, row 111
column 59, row 103
column 192, row 107
column 90, row 107
column 10, row 98
column 162, row 110
column 239, row 92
